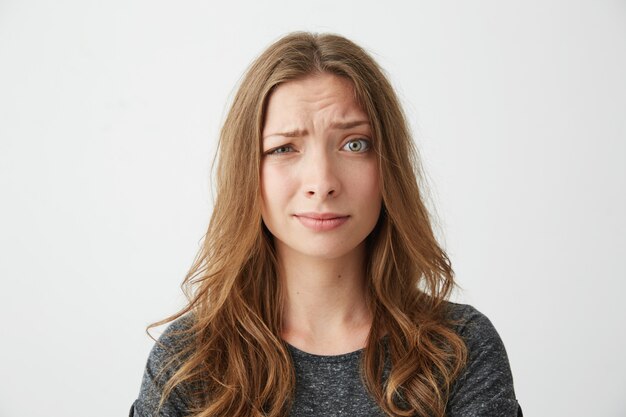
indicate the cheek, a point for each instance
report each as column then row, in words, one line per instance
column 368, row 183
column 274, row 187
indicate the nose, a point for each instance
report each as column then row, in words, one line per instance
column 320, row 179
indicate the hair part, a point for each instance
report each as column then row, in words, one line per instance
column 235, row 362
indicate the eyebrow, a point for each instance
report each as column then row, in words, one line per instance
column 337, row 125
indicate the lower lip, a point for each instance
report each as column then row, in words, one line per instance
column 320, row 225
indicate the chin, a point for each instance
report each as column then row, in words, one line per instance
column 325, row 251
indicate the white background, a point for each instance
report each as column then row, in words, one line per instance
column 109, row 115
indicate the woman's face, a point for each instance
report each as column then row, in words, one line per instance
column 318, row 161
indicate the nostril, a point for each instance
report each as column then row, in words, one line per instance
column 312, row 191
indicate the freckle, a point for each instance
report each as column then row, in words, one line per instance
column 339, row 276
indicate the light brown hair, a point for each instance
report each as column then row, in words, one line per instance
column 234, row 356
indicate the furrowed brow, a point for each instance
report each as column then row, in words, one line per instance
column 291, row 133
column 296, row 133
column 349, row 125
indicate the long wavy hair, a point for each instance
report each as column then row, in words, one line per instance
column 234, row 361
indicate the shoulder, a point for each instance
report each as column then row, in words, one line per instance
column 485, row 387
column 176, row 334
column 485, row 347
column 162, row 363
column 171, row 342
column 470, row 323
column 165, row 354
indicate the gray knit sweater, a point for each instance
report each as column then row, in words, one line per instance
column 331, row 385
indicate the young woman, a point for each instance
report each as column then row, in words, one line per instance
column 320, row 289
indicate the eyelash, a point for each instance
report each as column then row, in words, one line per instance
column 368, row 145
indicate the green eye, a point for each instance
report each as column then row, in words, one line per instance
column 358, row 145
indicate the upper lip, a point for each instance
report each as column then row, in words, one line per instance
column 321, row 216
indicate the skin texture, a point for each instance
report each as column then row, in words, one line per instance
column 320, row 168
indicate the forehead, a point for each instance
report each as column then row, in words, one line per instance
column 314, row 98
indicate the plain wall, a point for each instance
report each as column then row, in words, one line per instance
column 109, row 117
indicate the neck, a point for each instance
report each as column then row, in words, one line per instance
column 325, row 307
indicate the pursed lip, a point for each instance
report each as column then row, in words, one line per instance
column 321, row 216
